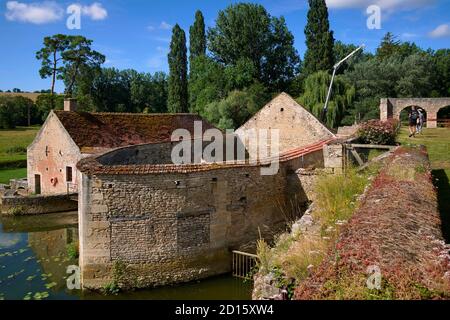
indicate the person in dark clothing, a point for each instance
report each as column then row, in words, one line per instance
column 413, row 117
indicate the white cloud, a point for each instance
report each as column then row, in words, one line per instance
column 162, row 26
column 36, row 13
column 388, row 5
column 441, row 31
column 95, row 11
column 165, row 26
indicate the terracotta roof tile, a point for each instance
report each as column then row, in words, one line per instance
column 113, row 130
column 90, row 165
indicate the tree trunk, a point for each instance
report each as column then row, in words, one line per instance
column 53, row 80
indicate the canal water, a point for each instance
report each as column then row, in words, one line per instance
column 35, row 255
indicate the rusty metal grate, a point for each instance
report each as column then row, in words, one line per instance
column 243, row 264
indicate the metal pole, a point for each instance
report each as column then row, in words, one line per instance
column 335, row 68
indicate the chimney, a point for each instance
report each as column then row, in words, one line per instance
column 70, row 104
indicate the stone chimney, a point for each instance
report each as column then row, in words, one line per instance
column 70, row 104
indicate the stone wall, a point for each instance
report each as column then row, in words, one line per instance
column 33, row 205
column 48, row 156
column 297, row 127
column 154, row 229
column 392, row 107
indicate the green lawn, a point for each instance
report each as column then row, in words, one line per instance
column 13, row 164
column 19, row 137
column 437, row 142
column 8, row 174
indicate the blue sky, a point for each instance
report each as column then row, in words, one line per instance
column 136, row 33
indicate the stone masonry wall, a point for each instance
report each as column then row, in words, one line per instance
column 49, row 155
column 157, row 229
column 297, row 127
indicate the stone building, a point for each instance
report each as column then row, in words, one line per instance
column 146, row 222
column 68, row 136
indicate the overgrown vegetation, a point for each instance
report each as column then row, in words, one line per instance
column 437, row 142
column 294, row 254
column 397, row 229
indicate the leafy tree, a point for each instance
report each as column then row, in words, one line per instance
column 316, row 89
column 113, row 90
column 16, row 111
column 51, row 59
column 247, row 31
column 206, row 84
column 44, row 105
column 178, row 86
column 389, row 45
column 232, row 111
column 78, row 56
column 441, row 85
column 197, row 37
column 319, row 38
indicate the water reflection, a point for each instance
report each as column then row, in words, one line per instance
column 34, row 259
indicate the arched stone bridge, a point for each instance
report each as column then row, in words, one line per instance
column 390, row 108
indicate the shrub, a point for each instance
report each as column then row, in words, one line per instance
column 16, row 150
column 73, row 250
column 379, row 132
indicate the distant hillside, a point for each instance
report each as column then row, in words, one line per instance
column 29, row 95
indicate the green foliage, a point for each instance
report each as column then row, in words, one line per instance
column 246, row 31
column 66, row 57
column 319, row 55
column 46, row 102
column 79, row 58
column 315, row 93
column 441, row 87
column 207, row 83
column 115, row 90
column 336, row 196
column 51, row 57
column 197, row 37
column 73, row 250
column 16, row 150
column 232, row 111
column 178, row 85
column 17, row 111
column 111, row 288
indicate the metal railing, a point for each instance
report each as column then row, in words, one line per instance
column 244, row 264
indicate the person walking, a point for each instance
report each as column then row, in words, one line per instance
column 420, row 121
column 413, row 117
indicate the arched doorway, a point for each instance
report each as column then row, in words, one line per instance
column 404, row 119
column 390, row 108
column 443, row 117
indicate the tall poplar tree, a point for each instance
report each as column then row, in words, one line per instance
column 178, row 86
column 197, row 37
column 319, row 38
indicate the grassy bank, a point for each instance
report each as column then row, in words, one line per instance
column 293, row 254
column 395, row 232
column 13, row 145
column 437, row 142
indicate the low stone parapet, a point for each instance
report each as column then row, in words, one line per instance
column 34, row 205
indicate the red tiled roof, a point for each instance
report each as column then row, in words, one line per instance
column 113, row 130
column 92, row 166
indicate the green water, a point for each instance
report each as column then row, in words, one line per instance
column 34, row 260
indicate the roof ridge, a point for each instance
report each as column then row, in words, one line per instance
column 131, row 113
